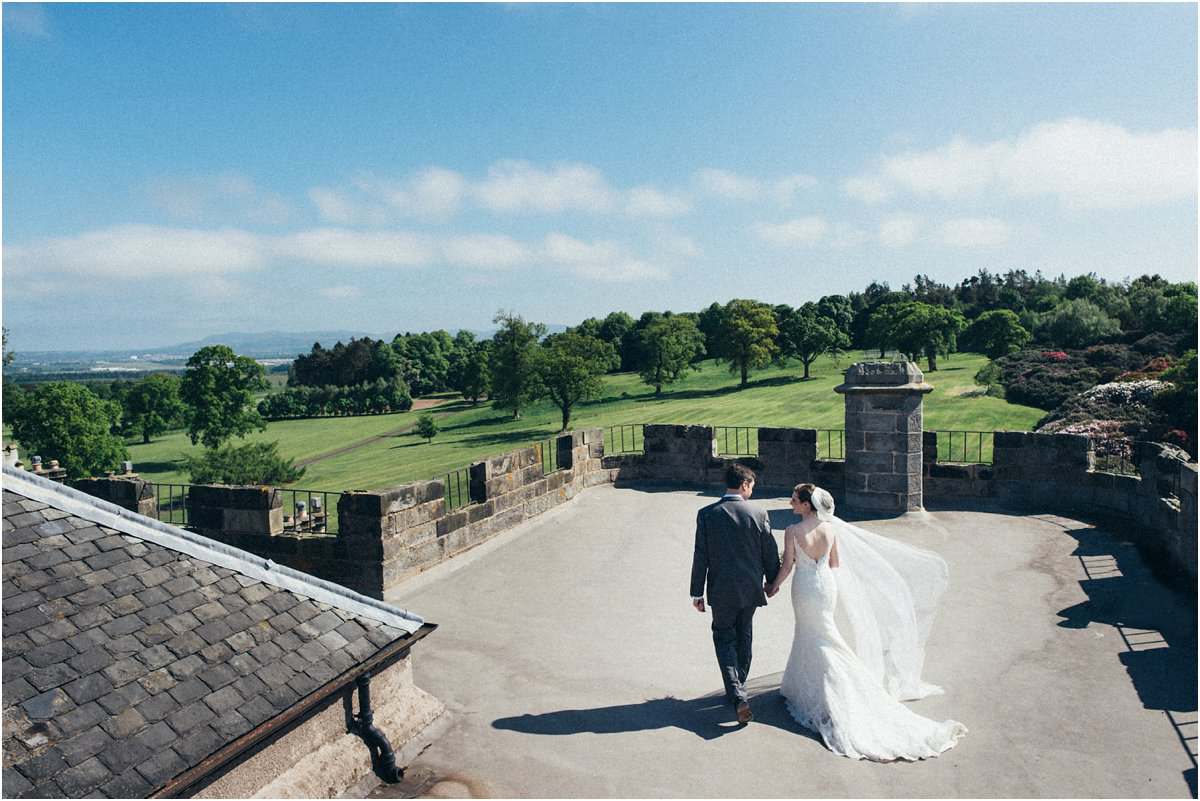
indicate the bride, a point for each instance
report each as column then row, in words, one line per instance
column 889, row 592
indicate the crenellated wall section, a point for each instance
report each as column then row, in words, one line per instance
column 385, row 536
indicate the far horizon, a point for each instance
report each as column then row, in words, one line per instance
column 172, row 172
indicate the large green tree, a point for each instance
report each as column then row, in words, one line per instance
column 1079, row 322
column 805, row 334
column 921, row 328
column 469, row 373
column 995, row 334
column 570, row 366
column 219, row 388
column 746, row 337
column 68, row 422
column 667, row 348
column 513, row 360
column 153, row 406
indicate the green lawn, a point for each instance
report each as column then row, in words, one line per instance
column 776, row 397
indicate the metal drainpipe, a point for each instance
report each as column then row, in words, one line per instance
column 385, row 760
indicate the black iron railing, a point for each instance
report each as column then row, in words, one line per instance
column 1114, row 455
column 831, row 444
column 547, row 451
column 170, row 501
column 736, row 440
column 458, row 488
column 964, row 447
column 626, row 438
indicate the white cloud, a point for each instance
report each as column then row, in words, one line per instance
column 518, row 186
column 898, row 230
column 341, row 292
column 26, row 18
column 846, row 236
column 485, row 250
column 731, row 186
column 140, row 250
column 624, row 272
column 675, row 245
column 866, row 188
column 225, row 197
column 337, row 206
column 973, row 232
column 343, row 247
column 804, row 231
column 646, row 201
column 727, row 185
column 563, row 249
column 784, row 189
column 1082, row 163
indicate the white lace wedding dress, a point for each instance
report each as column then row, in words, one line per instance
column 829, row 689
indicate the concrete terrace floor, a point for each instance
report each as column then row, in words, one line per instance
column 572, row 664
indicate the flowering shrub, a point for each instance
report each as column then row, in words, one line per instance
column 1153, row 369
column 1124, row 392
column 1109, row 437
column 1055, row 355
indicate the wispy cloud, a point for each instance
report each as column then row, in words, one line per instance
column 519, row 186
column 728, row 185
column 487, row 251
column 340, row 293
column 647, row 201
column 973, row 232
column 898, row 230
column 140, row 250
column 344, row 247
column 801, row 232
column 228, row 197
column 25, row 18
column 1081, row 163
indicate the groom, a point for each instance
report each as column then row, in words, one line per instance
column 737, row 555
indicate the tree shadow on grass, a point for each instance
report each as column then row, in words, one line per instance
column 717, row 392
column 708, row 717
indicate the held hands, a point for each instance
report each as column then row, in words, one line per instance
column 770, row 589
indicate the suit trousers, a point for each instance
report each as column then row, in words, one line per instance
column 733, row 636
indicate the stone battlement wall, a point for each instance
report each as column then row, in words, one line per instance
column 891, row 467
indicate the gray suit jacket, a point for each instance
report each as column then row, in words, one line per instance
column 735, row 552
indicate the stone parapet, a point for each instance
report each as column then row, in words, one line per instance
column 226, row 513
column 128, row 492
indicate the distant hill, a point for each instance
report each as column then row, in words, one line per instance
column 261, row 345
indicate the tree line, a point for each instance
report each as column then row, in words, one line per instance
column 998, row 315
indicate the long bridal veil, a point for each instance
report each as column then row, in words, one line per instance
column 889, row 592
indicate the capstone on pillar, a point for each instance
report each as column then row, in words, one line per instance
column 884, row 436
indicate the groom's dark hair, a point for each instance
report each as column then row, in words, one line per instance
column 736, row 475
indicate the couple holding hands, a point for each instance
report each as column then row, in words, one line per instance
column 888, row 591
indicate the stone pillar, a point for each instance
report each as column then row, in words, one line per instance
column 884, row 436
column 129, row 492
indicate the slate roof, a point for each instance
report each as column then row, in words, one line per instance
column 130, row 657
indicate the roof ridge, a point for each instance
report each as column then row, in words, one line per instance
column 208, row 550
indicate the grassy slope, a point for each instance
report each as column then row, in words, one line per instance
column 775, row 398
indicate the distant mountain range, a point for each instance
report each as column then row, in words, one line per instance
column 261, row 345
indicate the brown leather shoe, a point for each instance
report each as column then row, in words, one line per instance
column 744, row 714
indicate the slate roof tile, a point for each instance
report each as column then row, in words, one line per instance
column 127, row 662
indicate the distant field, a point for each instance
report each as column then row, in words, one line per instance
column 776, row 397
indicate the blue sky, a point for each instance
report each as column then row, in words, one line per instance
column 172, row 172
